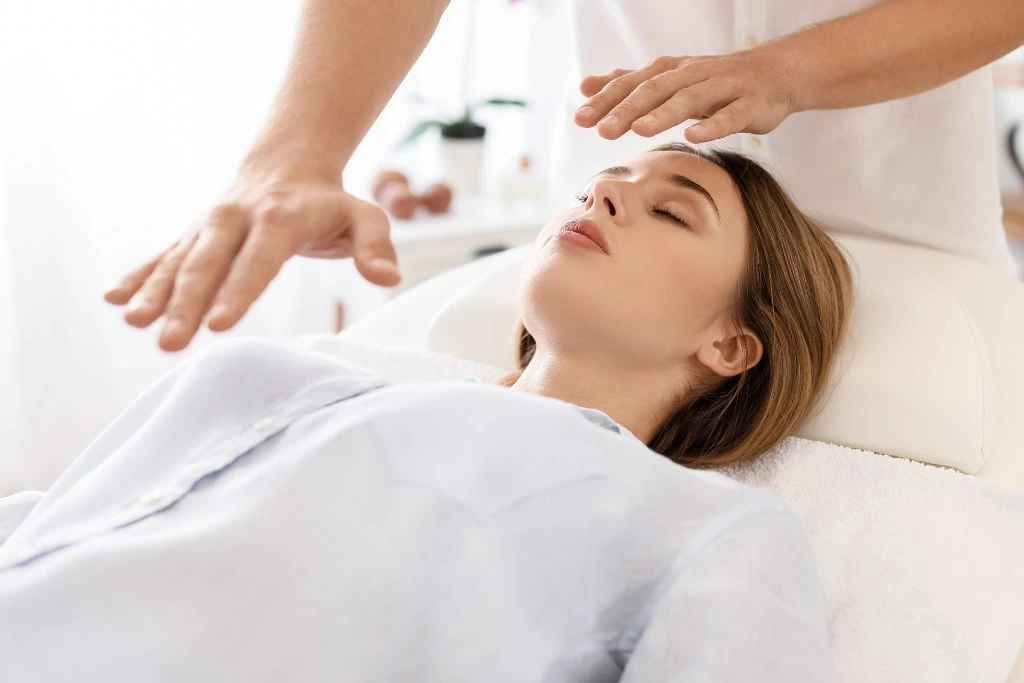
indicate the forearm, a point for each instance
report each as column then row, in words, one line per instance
column 349, row 57
column 895, row 49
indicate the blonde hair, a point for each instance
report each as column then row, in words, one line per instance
column 795, row 294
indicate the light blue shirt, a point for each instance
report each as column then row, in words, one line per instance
column 267, row 513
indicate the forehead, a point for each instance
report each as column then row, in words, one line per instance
column 698, row 169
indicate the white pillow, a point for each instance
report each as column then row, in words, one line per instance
column 932, row 369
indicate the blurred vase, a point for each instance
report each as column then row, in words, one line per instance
column 462, row 155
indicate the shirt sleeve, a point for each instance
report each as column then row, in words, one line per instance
column 747, row 607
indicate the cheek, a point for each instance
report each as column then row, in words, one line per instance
column 673, row 293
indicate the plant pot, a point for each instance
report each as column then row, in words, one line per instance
column 462, row 155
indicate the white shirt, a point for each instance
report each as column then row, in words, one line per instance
column 268, row 513
column 920, row 169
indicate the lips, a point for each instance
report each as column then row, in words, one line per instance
column 588, row 229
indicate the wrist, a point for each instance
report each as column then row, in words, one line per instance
column 789, row 64
column 291, row 159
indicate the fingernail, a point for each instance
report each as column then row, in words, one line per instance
column 585, row 111
column 218, row 311
column 610, row 120
column 385, row 263
column 647, row 119
column 174, row 327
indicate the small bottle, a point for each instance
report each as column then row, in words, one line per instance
column 521, row 184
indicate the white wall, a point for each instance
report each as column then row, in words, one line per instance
column 121, row 121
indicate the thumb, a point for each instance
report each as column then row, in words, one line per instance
column 372, row 249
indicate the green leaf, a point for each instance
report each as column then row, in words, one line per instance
column 501, row 101
column 418, row 130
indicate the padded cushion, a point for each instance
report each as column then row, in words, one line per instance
column 933, row 367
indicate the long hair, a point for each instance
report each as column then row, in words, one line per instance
column 795, row 294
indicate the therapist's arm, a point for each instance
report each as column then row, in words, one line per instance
column 287, row 198
column 348, row 60
column 895, row 49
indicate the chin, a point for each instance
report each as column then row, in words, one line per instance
column 560, row 303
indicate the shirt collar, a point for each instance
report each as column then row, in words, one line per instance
column 594, row 415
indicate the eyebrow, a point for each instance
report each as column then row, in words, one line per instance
column 675, row 178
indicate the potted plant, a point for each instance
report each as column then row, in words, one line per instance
column 462, row 143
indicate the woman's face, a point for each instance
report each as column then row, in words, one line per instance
column 673, row 243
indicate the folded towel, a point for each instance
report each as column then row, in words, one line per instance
column 923, row 567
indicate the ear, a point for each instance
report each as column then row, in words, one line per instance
column 731, row 355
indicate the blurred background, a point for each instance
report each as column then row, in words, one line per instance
column 121, row 123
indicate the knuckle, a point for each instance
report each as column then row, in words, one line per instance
column 662, row 62
column 228, row 215
column 623, row 82
column 735, row 112
column 272, row 212
column 679, row 102
column 167, row 268
column 624, row 109
column 691, row 66
column 278, row 205
column 724, row 118
column 653, row 86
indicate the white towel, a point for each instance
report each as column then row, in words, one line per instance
column 923, row 566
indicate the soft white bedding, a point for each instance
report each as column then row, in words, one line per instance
column 923, row 566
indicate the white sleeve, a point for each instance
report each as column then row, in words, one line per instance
column 747, row 607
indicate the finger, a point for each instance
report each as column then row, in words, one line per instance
column 732, row 118
column 648, row 95
column 688, row 103
column 201, row 274
column 372, row 249
column 266, row 248
column 122, row 293
column 591, row 85
column 616, row 90
column 149, row 302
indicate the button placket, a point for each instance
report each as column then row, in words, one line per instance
column 153, row 500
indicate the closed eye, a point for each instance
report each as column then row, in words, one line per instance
column 671, row 216
column 582, row 198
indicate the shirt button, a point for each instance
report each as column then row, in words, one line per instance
column 151, row 497
column 749, row 42
column 264, row 425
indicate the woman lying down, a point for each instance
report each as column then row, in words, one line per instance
column 268, row 513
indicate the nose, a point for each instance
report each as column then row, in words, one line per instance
column 608, row 197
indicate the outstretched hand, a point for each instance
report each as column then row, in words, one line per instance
column 740, row 92
column 222, row 265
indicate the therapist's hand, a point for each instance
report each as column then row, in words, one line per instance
column 747, row 91
column 221, row 265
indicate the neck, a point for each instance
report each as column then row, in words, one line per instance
column 638, row 400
